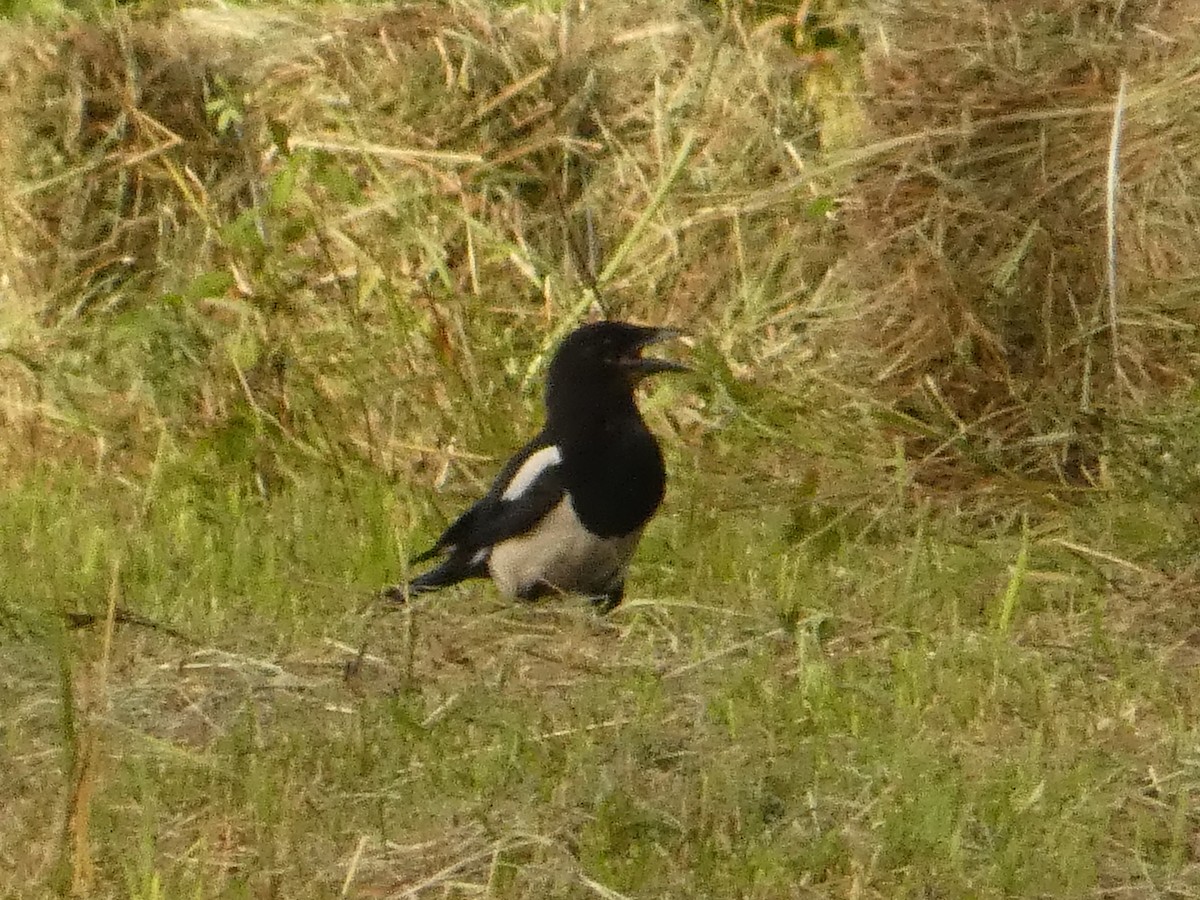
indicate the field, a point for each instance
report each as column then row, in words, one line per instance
column 920, row 617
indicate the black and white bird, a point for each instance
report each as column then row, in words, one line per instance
column 566, row 512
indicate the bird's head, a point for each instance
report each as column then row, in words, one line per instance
column 612, row 351
column 605, row 359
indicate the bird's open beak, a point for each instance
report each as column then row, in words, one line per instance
column 639, row 366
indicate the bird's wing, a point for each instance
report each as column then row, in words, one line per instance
column 528, row 487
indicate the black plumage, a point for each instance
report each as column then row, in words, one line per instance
column 566, row 512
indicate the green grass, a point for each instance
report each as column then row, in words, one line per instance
column 766, row 715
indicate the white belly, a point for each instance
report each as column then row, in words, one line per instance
column 563, row 554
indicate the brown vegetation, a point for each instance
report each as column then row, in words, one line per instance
column 480, row 170
column 460, row 170
column 981, row 221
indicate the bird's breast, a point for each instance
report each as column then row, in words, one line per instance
column 561, row 554
column 617, row 486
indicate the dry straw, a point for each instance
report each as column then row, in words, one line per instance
column 349, row 204
column 1025, row 218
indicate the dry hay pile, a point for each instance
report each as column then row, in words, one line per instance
column 272, row 225
column 109, row 149
column 115, row 182
column 981, row 224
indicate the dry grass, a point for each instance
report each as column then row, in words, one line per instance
column 364, row 174
column 984, row 205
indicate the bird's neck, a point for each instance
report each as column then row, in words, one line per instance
column 612, row 466
column 585, row 417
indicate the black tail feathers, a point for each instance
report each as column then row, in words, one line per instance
column 451, row 572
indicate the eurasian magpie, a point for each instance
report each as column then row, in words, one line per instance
column 566, row 512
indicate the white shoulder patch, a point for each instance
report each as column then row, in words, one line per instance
column 530, row 471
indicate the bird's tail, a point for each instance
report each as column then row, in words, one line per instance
column 452, row 571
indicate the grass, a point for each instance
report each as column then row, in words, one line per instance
column 926, row 707
column 249, row 372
